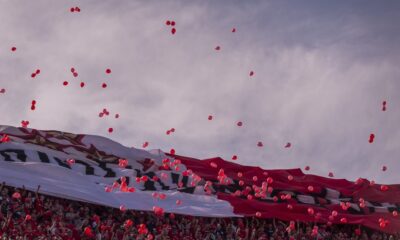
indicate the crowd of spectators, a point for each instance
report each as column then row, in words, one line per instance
column 31, row 215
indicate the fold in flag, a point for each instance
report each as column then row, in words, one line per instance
column 98, row 170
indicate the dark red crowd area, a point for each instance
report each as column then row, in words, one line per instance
column 30, row 215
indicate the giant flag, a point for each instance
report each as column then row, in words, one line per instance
column 98, row 170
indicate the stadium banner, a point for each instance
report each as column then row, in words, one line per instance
column 98, row 170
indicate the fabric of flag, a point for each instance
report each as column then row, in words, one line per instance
column 98, row 170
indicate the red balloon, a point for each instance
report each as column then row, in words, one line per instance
column 108, row 189
column 144, row 178
column 24, row 123
column 128, row 223
column 162, row 196
column 88, row 232
column 371, row 138
column 172, row 151
column 158, row 211
column 384, row 188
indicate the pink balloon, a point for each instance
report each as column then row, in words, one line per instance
column 310, row 211
column 122, row 163
column 270, row 180
column 70, row 161
column 16, row 195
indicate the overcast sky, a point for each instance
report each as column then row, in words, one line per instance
column 321, row 72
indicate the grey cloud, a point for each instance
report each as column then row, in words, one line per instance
column 321, row 73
